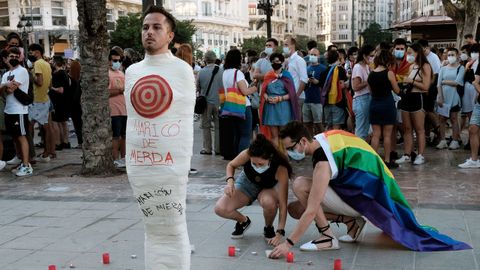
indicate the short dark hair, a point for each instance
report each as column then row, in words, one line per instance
column 365, row 50
column 466, row 47
column 332, row 57
column 277, row 55
column 157, row 9
column 233, row 59
column 468, row 36
column 384, row 45
column 475, row 48
column 399, row 41
column 113, row 53
column 352, row 50
column 275, row 42
column 14, row 50
column 296, row 131
column 384, row 58
column 423, row 43
column 312, row 44
column 59, row 61
column 331, row 46
column 36, row 47
column 342, row 51
column 452, row 49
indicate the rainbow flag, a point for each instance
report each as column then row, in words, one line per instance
column 362, row 180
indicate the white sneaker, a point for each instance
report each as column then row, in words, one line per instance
column 14, row 161
column 419, row 160
column 24, row 170
column 469, row 163
column 442, row 144
column 119, row 163
column 454, row 145
column 43, row 159
column 403, row 159
column 2, row 164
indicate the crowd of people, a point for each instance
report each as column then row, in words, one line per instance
column 391, row 94
column 45, row 91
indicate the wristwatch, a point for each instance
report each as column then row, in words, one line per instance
column 281, row 231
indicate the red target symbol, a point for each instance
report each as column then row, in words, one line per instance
column 151, row 96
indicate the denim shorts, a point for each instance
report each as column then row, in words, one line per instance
column 119, row 126
column 475, row 119
column 247, row 187
column 334, row 115
column 39, row 112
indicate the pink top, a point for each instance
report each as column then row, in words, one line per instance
column 116, row 81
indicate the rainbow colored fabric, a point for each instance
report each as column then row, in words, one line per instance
column 362, row 180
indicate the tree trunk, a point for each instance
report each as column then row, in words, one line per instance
column 465, row 17
column 97, row 131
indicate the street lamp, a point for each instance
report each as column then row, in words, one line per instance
column 147, row 3
column 267, row 7
column 24, row 27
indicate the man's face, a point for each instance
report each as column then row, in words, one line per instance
column 14, row 56
column 156, row 33
column 399, row 47
column 114, row 59
column 270, row 44
column 292, row 145
column 34, row 53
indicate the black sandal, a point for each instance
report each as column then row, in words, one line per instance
column 360, row 222
column 312, row 246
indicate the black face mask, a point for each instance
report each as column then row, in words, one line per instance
column 276, row 66
column 32, row 58
column 14, row 62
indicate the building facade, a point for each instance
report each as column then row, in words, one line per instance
column 221, row 24
column 257, row 20
column 55, row 22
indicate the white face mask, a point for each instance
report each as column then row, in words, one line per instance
column 268, row 50
column 474, row 56
column 295, row 155
column 371, row 59
column 452, row 60
column 29, row 64
column 410, row 58
column 116, row 65
column 313, row 59
column 262, row 169
column 464, row 57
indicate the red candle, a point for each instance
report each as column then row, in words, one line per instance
column 231, row 251
column 106, row 258
column 52, row 267
column 290, row 257
column 337, row 264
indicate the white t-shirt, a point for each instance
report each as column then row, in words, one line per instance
column 12, row 105
column 228, row 76
column 360, row 71
column 434, row 61
column 298, row 68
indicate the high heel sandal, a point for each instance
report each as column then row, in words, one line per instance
column 359, row 221
column 312, row 246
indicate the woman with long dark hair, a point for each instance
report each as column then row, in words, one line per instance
column 235, row 132
column 412, row 103
column 264, row 177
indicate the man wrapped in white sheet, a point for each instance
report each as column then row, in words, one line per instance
column 160, row 96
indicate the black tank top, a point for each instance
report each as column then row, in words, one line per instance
column 264, row 180
column 380, row 86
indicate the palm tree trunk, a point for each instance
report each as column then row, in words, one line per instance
column 97, row 132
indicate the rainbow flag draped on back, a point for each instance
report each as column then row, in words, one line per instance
column 363, row 181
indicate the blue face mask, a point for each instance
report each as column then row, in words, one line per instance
column 286, row 50
column 313, row 59
column 116, row 65
column 295, row 155
column 268, row 50
column 399, row 54
column 262, row 169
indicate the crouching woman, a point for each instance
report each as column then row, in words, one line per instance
column 264, row 177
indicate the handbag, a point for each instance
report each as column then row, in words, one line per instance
column 233, row 103
column 201, row 101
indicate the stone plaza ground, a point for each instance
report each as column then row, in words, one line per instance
column 57, row 217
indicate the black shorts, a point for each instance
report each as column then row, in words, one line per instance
column 119, row 126
column 455, row 108
column 16, row 124
column 412, row 102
